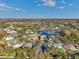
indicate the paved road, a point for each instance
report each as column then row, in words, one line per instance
column 7, row 56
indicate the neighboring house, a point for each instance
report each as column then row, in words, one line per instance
column 10, row 41
column 77, row 46
column 6, row 29
column 44, row 28
column 48, row 33
column 50, row 45
column 58, row 45
column 27, row 45
column 56, row 28
column 73, row 48
column 10, row 31
column 69, row 47
column 17, row 45
column 32, row 35
column 43, row 37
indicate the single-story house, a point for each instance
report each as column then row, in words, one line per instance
column 58, row 45
column 47, row 33
column 27, row 45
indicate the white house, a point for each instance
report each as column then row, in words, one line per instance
column 17, row 45
column 10, row 41
column 58, row 45
column 43, row 37
column 27, row 45
column 9, row 31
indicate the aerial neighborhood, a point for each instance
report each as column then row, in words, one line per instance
column 34, row 39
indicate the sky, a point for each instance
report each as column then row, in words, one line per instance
column 39, row 9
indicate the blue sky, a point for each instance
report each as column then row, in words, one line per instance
column 39, row 9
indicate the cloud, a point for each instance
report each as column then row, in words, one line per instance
column 17, row 9
column 4, row 6
column 70, row 4
column 51, row 3
column 62, row 7
column 63, row 2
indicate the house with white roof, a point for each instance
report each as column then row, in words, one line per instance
column 10, row 41
column 58, row 45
